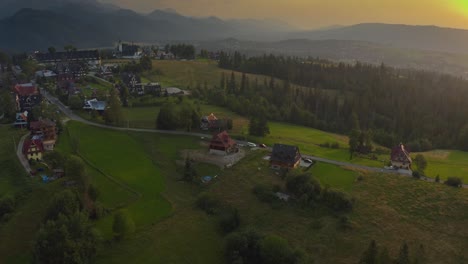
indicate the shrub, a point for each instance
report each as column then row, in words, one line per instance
column 123, row 225
column 208, row 203
column 416, row 175
column 264, row 194
column 7, row 206
column 229, row 220
column 454, row 182
column 335, row 145
column 437, row 178
column 337, row 200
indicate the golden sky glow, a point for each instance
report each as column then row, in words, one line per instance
column 317, row 13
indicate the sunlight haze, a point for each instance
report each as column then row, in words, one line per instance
column 317, row 13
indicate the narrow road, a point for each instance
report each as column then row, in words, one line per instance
column 21, row 157
column 72, row 116
column 75, row 117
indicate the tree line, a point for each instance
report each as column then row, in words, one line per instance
column 424, row 109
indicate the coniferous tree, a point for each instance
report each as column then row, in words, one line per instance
column 370, row 256
column 403, row 257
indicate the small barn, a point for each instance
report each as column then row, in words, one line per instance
column 285, row 156
column 222, row 144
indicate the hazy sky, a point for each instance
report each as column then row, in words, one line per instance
column 316, row 13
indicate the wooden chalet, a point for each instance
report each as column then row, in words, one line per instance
column 47, row 131
column 285, row 156
column 222, row 144
column 27, row 96
column 33, row 149
column 400, row 157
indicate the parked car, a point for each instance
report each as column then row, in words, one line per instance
column 307, row 160
column 262, row 145
column 250, row 144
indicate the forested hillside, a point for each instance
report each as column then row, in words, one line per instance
column 424, row 109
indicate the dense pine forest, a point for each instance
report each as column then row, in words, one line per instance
column 424, row 109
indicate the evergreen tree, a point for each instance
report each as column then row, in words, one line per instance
column 232, row 84
column 403, row 257
column 123, row 225
column 370, row 256
column 113, row 114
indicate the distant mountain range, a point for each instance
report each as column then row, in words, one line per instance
column 403, row 36
column 91, row 24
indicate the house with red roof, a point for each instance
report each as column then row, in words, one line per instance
column 47, row 131
column 400, row 157
column 222, row 144
column 33, row 149
column 27, row 96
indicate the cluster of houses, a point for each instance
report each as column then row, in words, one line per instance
column 289, row 157
column 42, row 138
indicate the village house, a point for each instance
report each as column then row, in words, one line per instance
column 45, row 74
column 149, row 88
column 78, row 70
column 45, row 130
column 132, row 82
column 128, row 51
column 400, row 157
column 90, row 57
column 33, row 149
column 222, row 144
column 21, row 119
column 95, row 104
column 285, row 157
column 210, row 122
column 27, row 96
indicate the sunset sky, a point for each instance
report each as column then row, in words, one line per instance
column 318, row 13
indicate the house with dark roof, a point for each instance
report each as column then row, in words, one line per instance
column 128, row 51
column 27, row 96
column 90, row 57
column 222, row 144
column 133, row 83
column 33, row 149
column 78, row 70
column 285, row 156
column 400, row 157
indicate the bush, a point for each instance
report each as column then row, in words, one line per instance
column 75, row 102
column 337, row 200
column 454, row 182
column 264, row 194
column 229, row 220
column 7, row 205
column 243, row 247
column 208, row 203
column 123, row 225
column 416, row 175
column 335, row 145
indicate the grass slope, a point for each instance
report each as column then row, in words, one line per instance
column 17, row 233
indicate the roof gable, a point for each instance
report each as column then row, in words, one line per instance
column 285, row 153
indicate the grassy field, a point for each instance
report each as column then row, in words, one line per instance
column 384, row 206
column 171, row 230
column 447, row 163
